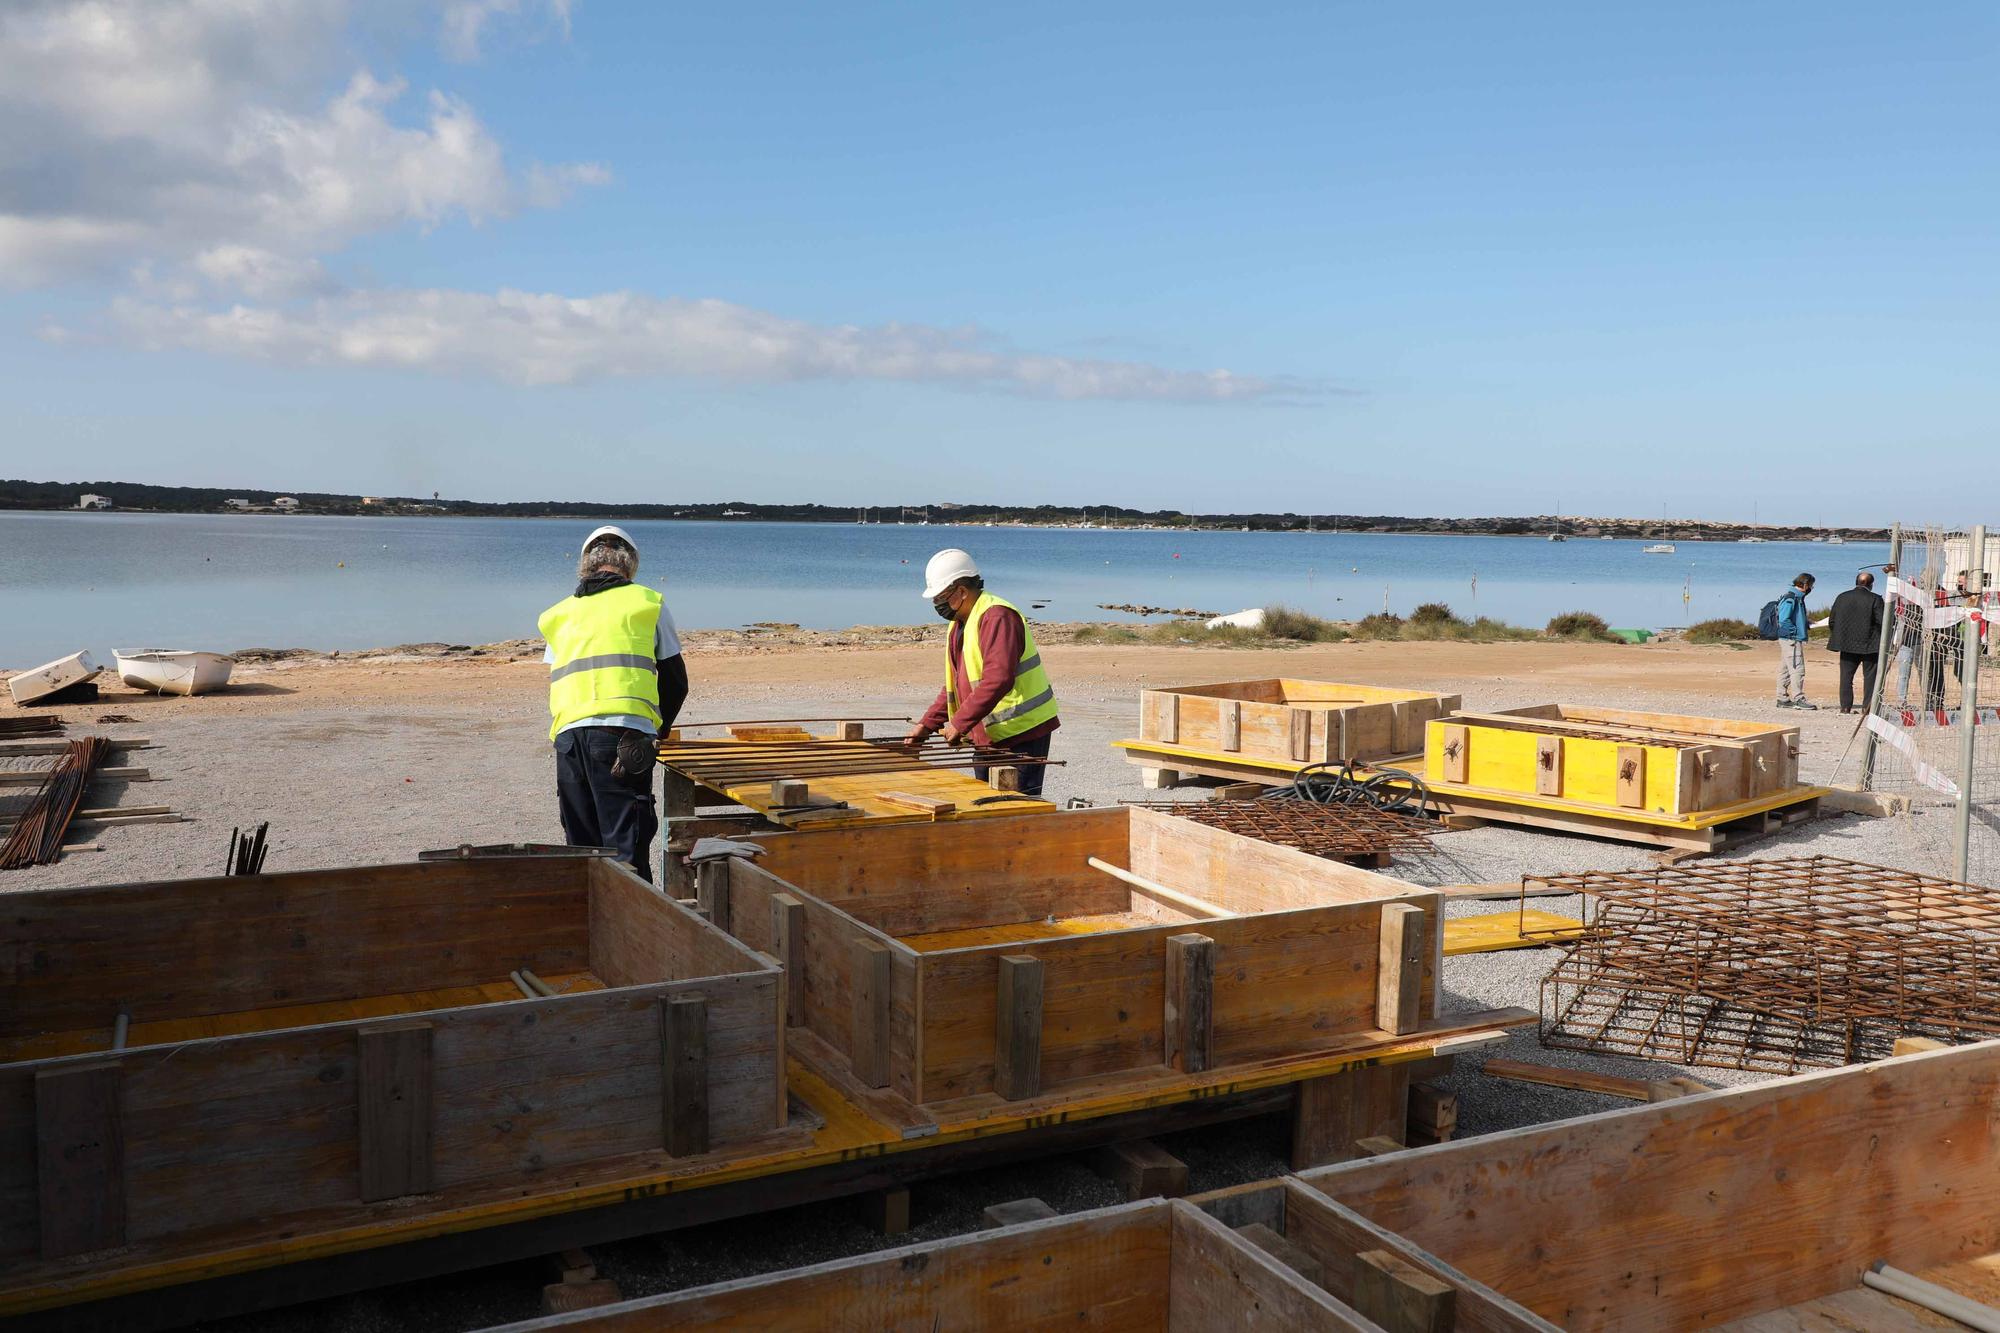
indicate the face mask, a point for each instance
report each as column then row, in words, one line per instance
column 942, row 606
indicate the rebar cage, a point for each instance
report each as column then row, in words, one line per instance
column 1322, row 830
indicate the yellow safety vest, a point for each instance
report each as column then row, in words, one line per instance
column 1028, row 702
column 603, row 651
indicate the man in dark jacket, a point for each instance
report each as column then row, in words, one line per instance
column 1855, row 632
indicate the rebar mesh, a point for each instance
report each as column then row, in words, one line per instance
column 1323, row 830
column 1772, row 965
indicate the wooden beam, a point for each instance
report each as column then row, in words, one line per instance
column 1016, row 1211
column 868, row 1047
column 1584, row 1080
column 393, row 1095
column 80, row 1158
column 1291, row 1256
column 711, row 890
column 888, row 1209
column 1548, row 765
column 1330, row 1114
column 1632, row 776
column 851, row 731
column 1300, row 737
column 1399, row 977
column 1455, row 752
column 677, row 794
column 790, row 791
column 1142, row 1168
column 1229, row 721
column 930, row 805
column 569, row 1297
column 1004, row 777
column 1017, row 1053
column 684, row 1073
column 1401, row 1297
column 1160, row 893
column 788, row 943
column 1433, row 1114
column 1376, row 1145
column 1190, row 1002
column 1917, row 1045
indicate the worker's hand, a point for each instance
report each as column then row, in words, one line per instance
column 952, row 735
column 918, row 735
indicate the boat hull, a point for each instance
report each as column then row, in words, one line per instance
column 165, row 672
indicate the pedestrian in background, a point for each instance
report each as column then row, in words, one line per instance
column 1855, row 632
column 1791, row 636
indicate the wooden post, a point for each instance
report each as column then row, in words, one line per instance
column 393, row 1092
column 684, row 1073
column 788, row 936
column 868, row 1047
column 1331, row 1113
column 1632, row 776
column 789, row 791
column 1883, row 658
column 1005, row 777
column 1399, row 976
column 677, row 794
column 711, row 880
column 888, row 1209
column 1457, row 752
column 1548, row 765
column 851, row 731
column 1401, row 1297
column 1301, row 735
column 1017, row 1048
column 1229, row 722
column 1190, row 1002
column 80, row 1158
column 1162, row 716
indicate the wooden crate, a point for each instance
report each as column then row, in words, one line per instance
column 948, row 960
column 1158, row 1266
column 323, row 1049
column 1290, row 721
column 1762, row 1204
column 1610, row 760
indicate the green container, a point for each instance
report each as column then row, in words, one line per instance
column 1634, row 635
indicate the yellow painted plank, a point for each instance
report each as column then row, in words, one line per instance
column 1494, row 931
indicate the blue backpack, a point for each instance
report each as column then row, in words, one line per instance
column 1767, row 621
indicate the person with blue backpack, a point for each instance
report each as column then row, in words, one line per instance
column 1785, row 621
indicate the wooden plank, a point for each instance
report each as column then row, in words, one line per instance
column 1300, row 748
column 1229, row 725
column 36, row 777
column 789, row 791
column 1190, row 1004
column 1522, row 928
column 788, row 931
column 1586, row 1080
column 1018, row 1042
column 1221, row 1283
column 1158, row 892
column 1162, row 721
column 1331, row 1114
column 1433, row 1110
column 561, row 1298
column 930, row 805
column 1291, row 1256
column 1399, row 975
column 868, row 1052
column 1016, row 1211
column 1143, row 1169
column 1003, row 777
column 1548, row 765
column 1632, row 776
column 1401, row 1297
column 1918, row 1045
column 712, row 885
column 1376, row 1145
column 1453, row 744
column 887, row 1210
column 684, row 1073
column 80, row 1158
column 393, row 1098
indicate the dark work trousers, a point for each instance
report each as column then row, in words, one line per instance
column 1031, row 774
column 599, row 810
column 1849, row 661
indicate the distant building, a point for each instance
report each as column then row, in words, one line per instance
column 236, row 504
column 285, row 502
column 371, row 499
column 93, row 502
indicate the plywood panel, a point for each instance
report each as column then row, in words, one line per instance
column 1711, row 1207
column 1220, row 1283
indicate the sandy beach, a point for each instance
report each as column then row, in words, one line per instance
column 373, row 757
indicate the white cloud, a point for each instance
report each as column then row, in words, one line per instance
column 464, row 22
column 160, row 130
column 531, row 338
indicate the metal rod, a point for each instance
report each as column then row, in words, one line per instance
column 783, row 721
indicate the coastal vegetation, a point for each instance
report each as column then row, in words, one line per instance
column 1722, row 630
column 1586, row 625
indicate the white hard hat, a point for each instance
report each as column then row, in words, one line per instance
column 609, row 530
column 946, row 568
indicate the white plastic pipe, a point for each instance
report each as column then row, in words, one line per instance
column 1938, row 1300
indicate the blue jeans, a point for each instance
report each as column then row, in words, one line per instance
column 599, row 810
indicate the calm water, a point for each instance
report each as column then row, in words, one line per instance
column 221, row 582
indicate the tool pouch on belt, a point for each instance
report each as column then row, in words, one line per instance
column 637, row 753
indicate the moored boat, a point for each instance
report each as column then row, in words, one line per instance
column 174, row 671
column 1658, row 548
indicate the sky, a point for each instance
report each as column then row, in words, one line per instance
column 1706, row 260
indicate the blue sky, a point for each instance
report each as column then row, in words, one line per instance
column 1332, row 258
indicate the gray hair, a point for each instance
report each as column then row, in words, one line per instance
column 608, row 553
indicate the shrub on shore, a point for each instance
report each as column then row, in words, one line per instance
column 1586, row 625
column 1722, row 630
column 1284, row 622
column 1434, row 621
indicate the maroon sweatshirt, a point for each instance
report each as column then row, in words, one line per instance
column 1002, row 635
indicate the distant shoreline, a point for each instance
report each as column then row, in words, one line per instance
column 123, row 497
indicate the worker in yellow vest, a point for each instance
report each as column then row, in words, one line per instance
column 995, row 690
column 616, row 681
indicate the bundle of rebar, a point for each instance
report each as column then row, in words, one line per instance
column 1331, row 831
column 32, row 725
column 725, row 763
column 1773, row 966
column 37, row 836
column 246, row 851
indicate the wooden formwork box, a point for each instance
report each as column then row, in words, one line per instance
column 1613, row 760
column 325, row 1049
column 1762, row 1205
column 947, row 961
column 1280, row 724
column 1158, row 1266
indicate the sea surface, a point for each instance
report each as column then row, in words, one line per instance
column 107, row 581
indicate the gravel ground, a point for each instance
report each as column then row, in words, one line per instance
column 348, row 783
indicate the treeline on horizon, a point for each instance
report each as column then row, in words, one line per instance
column 16, row 494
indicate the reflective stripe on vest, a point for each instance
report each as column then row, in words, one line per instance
column 1029, row 701
column 603, row 651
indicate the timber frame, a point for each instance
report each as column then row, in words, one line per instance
column 313, row 1052
column 1011, row 959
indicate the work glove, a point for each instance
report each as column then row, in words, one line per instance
column 637, row 752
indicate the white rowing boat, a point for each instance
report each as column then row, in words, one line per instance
column 172, row 671
column 46, row 679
